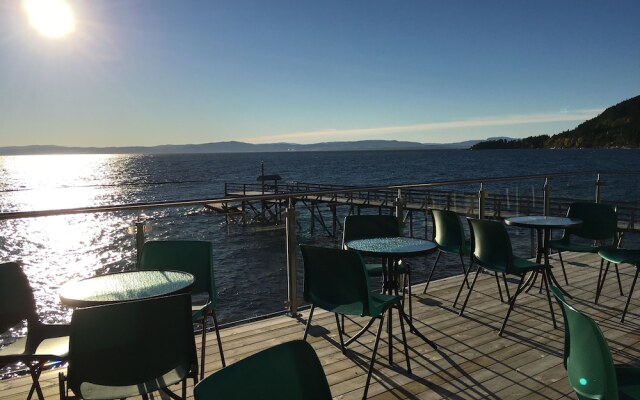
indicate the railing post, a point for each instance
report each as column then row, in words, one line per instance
column 598, row 184
column 547, row 197
column 481, row 200
column 292, row 276
column 399, row 202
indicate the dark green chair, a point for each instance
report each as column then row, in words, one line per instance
column 491, row 251
column 336, row 280
column 448, row 234
column 289, row 371
column 588, row 360
column 196, row 258
column 130, row 349
column 44, row 344
column 599, row 230
column 620, row 256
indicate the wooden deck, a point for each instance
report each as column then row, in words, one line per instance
column 471, row 362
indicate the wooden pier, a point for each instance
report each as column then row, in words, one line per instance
column 472, row 361
column 328, row 210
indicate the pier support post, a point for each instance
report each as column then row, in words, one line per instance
column 399, row 203
column 292, row 276
column 598, row 184
column 481, row 200
column 547, row 197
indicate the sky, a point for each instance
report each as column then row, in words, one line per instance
column 152, row 72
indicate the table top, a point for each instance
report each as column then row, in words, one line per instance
column 541, row 221
column 124, row 286
column 394, row 246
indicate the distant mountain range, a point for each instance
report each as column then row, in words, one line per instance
column 237, row 147
column 616, row 127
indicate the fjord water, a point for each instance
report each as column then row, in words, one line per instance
column 250, row 263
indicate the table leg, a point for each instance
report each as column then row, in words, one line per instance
column 551, row 278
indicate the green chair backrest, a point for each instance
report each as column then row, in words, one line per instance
column 131, row 343
column 369, row 226
column 599, row 221
column 289, row 371
column 192, row 256
column 16, row 297
column 448, row 232
column 490, row 245
column 335, row 277
column 587, row 358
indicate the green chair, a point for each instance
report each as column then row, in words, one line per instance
column 620, row 256
column 588, row 360
column 376, row 226
column 336, row 280
column 196, row 258
column 289, row 371
column 448, row 234
column 130, row 349
column 44, row 344
column 491, row 251
column 599, row 230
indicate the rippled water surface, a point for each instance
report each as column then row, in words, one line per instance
column 250, row 263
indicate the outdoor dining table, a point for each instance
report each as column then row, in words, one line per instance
column 124, row 286
column 392, row 250
column 543, row 226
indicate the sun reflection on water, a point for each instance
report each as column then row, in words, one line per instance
column 56, row 249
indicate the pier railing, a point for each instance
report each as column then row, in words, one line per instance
column 499, row 197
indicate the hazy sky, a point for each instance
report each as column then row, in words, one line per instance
column 149, row 72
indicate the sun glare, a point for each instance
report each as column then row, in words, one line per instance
column 51, row 18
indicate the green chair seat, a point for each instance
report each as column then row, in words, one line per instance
column 588, row 361
column 43, row 344
column 290, row 371
column 196, row 258
column 491, row 250
column 619, row 256
column 336, row 280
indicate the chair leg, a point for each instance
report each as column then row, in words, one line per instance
column 34, row 371
column 470, row 289
column 408, row 274
column 464, row 270
column 306, row 329
column 373, row 357
column 432, row 270
column 499, row 288
column 340, row 333
column 619, row 281
column 61, row 386
column 506, row 286
column 215, row 326
column 563, row 270
column 601, row 277
column 633, row 285
column 512, row 304
column 404, row 338
column 466, row 275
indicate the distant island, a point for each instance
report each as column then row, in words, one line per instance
column 617, row 127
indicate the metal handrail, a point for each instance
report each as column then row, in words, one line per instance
column 350, row 189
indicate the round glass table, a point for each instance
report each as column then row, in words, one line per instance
column 392, row 250
column 124, row 286
column 543, row 226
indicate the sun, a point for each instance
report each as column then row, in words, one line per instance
column 53, row 19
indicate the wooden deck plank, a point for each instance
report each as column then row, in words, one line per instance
column 472, row 361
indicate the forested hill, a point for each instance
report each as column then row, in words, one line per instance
column 617, row 126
